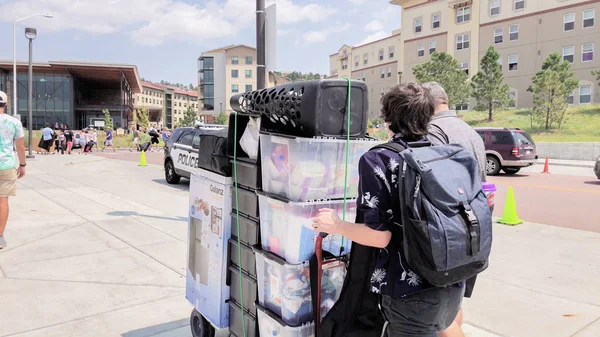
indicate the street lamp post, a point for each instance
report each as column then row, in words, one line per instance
column 30, row 34
column 14, row 88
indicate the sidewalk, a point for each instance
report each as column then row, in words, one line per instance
column 572, row 163
column 97, row 247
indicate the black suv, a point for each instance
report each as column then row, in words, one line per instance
column 507, row 149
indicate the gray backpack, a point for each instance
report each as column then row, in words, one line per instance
column 446, row 224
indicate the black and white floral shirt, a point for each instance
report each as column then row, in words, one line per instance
column 378, row 188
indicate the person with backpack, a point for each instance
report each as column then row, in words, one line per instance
column 424, row 210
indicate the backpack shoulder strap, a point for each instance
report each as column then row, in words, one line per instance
column 445, row 139
column 394, row 147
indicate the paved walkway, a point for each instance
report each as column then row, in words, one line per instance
column 97, row 248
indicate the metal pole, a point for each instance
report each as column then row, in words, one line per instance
column 260, row 44
column 122, row 98
column 30, row 98
column 14, row 88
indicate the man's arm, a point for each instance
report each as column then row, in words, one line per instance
column 20, row 146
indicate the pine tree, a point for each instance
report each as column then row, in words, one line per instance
column 222, row 119
column 488, row 85
column 189, row 118
column 551, row 87
column 445, row 69
column 108, row 122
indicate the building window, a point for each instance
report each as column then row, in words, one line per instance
column 420, row 50
column 366, row 58
column 498, row 35
column 513, row 31
column 389, row 72
column 519, row 4
column 435, row 21
column 494, row 7
column 500, row 62
column 380, row 54
column 235, row 88
column 234, row 74
column 462, row 41
column 463, row 14
column 571, row 97
column 382, row 72
column 569, row 22
column 585, row 94
column 513, row 62
column 248, row 87
column 512, row 99
column 568, row 53
column 462, row 107
column 391, row 51
column 432, row 45
column 344, row 66
column 364, row 76
column 587, row 52
column 248, row 59
column 465, row 66
column 588, row 18
column 235, row 60
column 356, row 61
column 418, row 24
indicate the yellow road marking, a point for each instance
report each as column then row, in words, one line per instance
column 550, row 187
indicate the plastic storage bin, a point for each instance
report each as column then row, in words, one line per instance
column 308, row 108
column 248, row 262
column 235, row 321
column 303, row 169
column 285, row 288
column 249, row 229
column 286, row 227
column 271, row 325
column 249, row 287
column 248, row 174
column 248, row 202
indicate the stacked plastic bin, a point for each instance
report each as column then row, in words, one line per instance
column 247, row 225
column 304, row 155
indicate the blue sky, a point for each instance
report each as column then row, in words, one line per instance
column 165, row 37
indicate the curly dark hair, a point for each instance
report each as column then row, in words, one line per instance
column 408, row 108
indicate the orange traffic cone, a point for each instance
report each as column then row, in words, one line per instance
column 546, row 167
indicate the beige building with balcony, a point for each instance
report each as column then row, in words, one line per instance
column 524, row 32
column 166, row 105
column 376, row 63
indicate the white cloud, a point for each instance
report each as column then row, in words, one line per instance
column 374, row 37
column 358, row 2
column 316, row 36
column 374, row 26
column 151, row 22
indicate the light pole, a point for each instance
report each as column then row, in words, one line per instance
column 30, row 34
column 14, row 88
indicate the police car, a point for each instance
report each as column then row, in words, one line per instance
column 182, row 151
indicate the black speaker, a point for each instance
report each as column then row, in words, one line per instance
column 309, row 108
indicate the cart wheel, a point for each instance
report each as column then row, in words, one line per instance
column 199, row 325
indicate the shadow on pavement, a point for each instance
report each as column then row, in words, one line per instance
column 157, row 329
column 132, row 213
column 184, row 185
column 592, row 182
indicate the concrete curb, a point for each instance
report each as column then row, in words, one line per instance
column 584, row 165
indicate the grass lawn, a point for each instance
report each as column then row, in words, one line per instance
column 581, row 125
column 125, row 141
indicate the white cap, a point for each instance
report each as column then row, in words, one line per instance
column 3, row 98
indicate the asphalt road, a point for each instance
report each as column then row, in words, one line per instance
column 566, row 198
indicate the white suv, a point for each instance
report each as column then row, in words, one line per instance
column 183, row 154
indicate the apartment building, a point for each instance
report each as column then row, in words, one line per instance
column 376, row 63
column 166, row 104
column 524, row 32
column 225, row 72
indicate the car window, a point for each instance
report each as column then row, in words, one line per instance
column 196, row 140
column 175, row 136
column 502, row 138
column 186, row 138
column 482, row 135
column 523, row 138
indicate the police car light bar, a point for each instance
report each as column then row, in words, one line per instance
column 209, row 126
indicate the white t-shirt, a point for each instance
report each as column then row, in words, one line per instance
column 10, row 129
